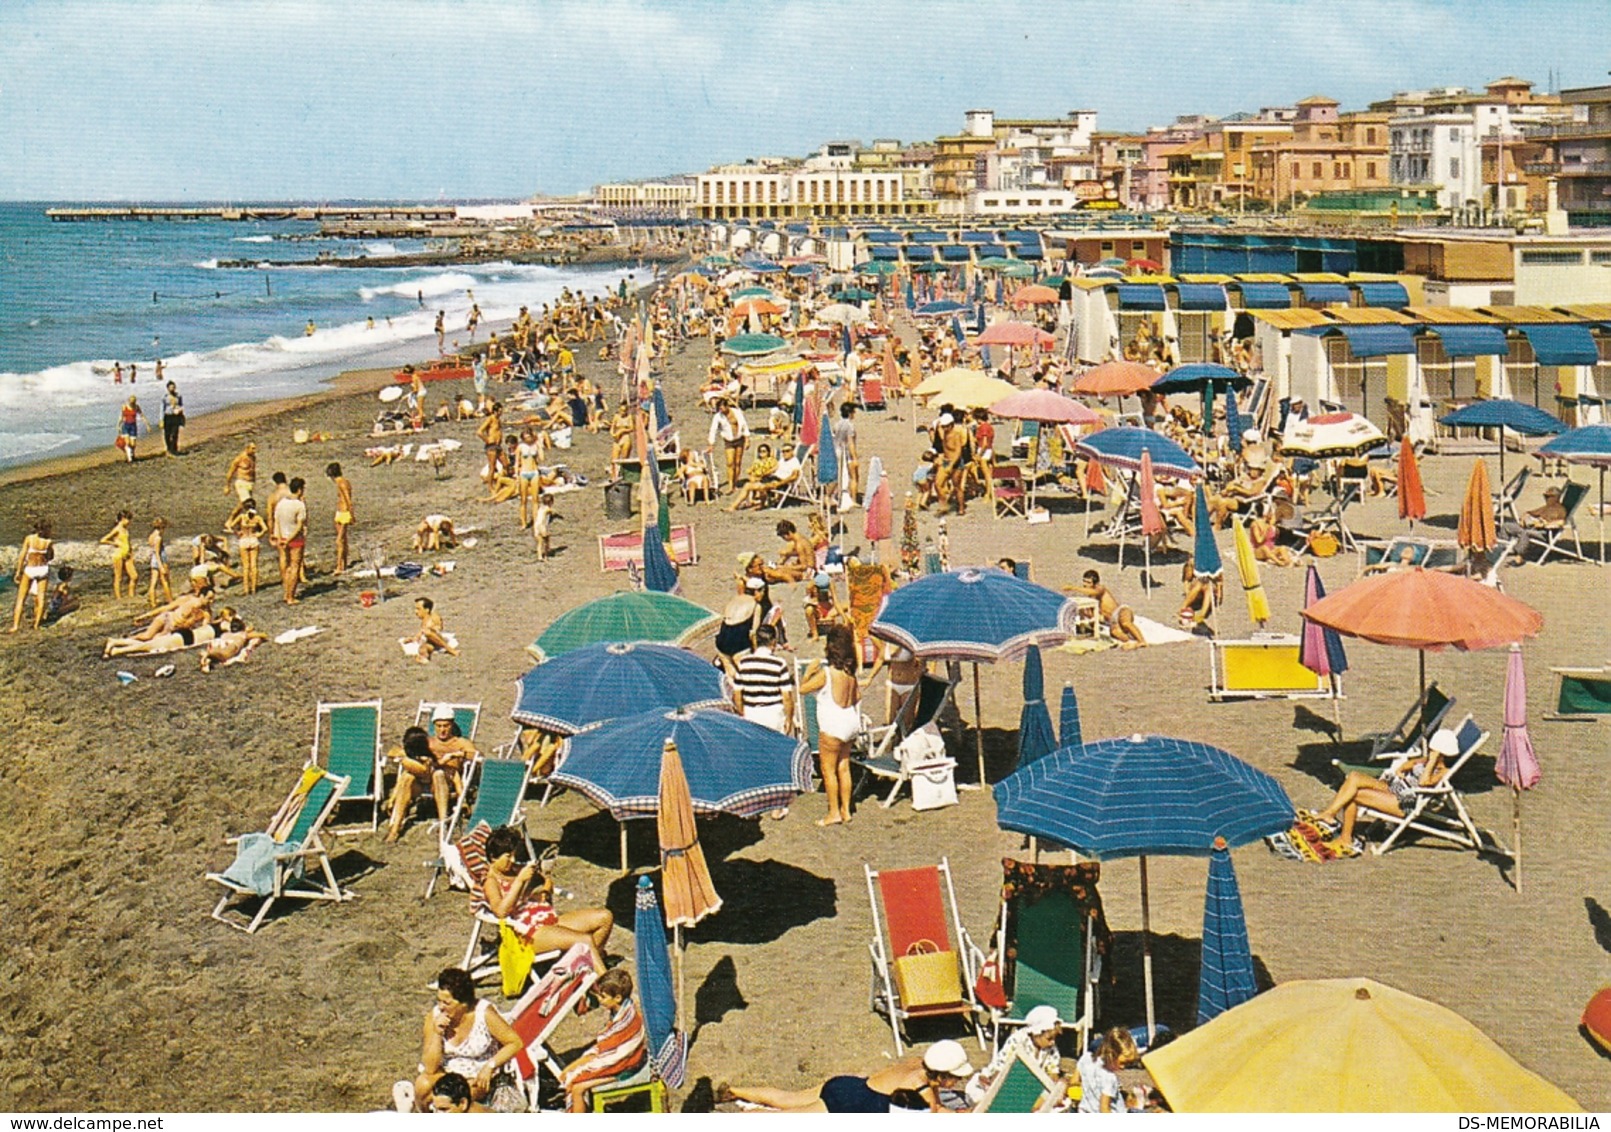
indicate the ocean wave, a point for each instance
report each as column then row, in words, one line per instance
column 207, row 265
column 26, row 445
column 431, row 286
column 253, row 239
column 381, row 248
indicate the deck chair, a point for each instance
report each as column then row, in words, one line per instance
column 1265, row 667
column 1333, row 518
column 1584, row 694
column 273, row 864
column 1007, row 490
column 1553, row 539
column 1407, row 551
column 1051, row 936
column 547, row 1003
column 346, row 742
column 889, row 756
column 871, row 393
column 465, row 716
column 922, row 957
column 1020, row 1087
column 1439, row 809
column 498, row 786
column 1424, row 717
column 1506, row 497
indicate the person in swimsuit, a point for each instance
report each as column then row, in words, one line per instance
column 523, row 898
column 235, row 642
column 695, row 477
column 418, row 765
column 128, row 428
column 528, row 458
column 435, row 532
column 930, row 1083
column 490, row 433
column 182, row 616
column 33, row 572
column 467, row 1036
column 159, row 563
column 797, row 557
column 1120, row 619
column 241, row 477
column 838, row 717
column 122, row 556
column 1393, row 793
column 822, row 608
column 203, row 634
column 248, row 526
column 343, row 514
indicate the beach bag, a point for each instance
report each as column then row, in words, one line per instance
column 1324, row 545
column 927, row 976
column 515, row 957
column 934, row 786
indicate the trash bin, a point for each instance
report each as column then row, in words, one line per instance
column 618, row 500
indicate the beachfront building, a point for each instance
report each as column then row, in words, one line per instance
column 1576, row 153
column 1024, row 154
column 674, row 197
column 803, row 193
column 1327, row 152
column 1215, row 170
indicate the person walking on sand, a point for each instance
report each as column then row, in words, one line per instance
column 122, row 556
column 173, row 416
column 159, row 563
column 128, row 428
column 291, row 536
column 32, row 574
column 441, row 332
column 134, row 372
column 241, row 478
column 343, row 514
column 733, row 430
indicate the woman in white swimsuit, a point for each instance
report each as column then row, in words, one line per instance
column 33, row 572
column 838, row 717
column 528, row 455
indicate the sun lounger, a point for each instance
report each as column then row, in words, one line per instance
column 1506, row 497
column 274, row 864
column 623, row 550
column 498, row 789
column 346, row 742
column 1265, row 667
column 547, row 1003
column 1417, row 725
column 922, row 957
column 1553, row 539
column 1406, row 551
column 1051, row 936
column 1584, row 694
column 918, row 713
column 1439, row 809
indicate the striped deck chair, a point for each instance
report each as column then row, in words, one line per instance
column 1020, row 1087
column 922, row 957
column 498, row 787
column 1424, row 717
column 274, row 864
column 547, row 1003
column 1439, row 809
column 346, row 742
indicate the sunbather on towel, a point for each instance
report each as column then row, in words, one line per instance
column 175, row 641
column 235, row 642
column 1392, row 792
column 620, row 1050
column 523, row 897
column 173, row 627
column 930, row 1083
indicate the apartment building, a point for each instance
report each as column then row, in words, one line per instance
column 1576, row 153
column 1328, row 151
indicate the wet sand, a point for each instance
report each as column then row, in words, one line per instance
column 123, row 994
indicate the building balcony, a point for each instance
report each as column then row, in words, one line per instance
column 1568, row 130
column 1577, row 169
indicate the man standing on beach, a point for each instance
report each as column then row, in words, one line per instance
column 242, row 474
column 343, row 514
column 441, row 331
column 291, row 536
column 173, row 417
column 763, row 684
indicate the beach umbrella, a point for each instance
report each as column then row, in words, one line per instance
column 1044, row 406
column 1589, row 445
column 827, row 458
column 598, row 682
column 668, row 1045
column 1320, row 649
column 977, row 615
column 1233, row 420
column 754, row 308
column 753, row 345
column 765, row 267
column 879, row 503
column 1247, row 568
column 979, row 326
column 1110, row 261
column 1517, row 766
column 803, row 270
column 840, row 314
column 1411, row 494
column 965, row 388
column 1035, row 738
column 1329, row 435
column 810, row 421
column 1034, row 295
column 797, row 410
column 753, row 293
column 690, row 895
column 1194, row 377
column 1016, row 269
column 1225, row 977
column 1476, row 529
column 940, row 308
column 994, row 262
column 1115, row 379
column 628, row 615
column 1143, row 266
column 1503, row 413
column 1015, row 334
column 1345, row 1045
column 956, row 333
column 1152, row 520
column 1068, row 719
column 1141, row 796
column 879, row 267
column 911, row 299
column 1206, row 560
column 1122, row 448
column 852, row 295
column 929, row 268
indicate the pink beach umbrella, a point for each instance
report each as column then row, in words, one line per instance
column 1517, row 767
column 1152, row 520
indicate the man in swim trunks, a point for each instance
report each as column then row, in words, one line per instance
column 1120, row 619
column 343, row 514
column 291, row 535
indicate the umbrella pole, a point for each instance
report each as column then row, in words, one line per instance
column 1421, row 655
column 1146, row 953
column 622, row 826
column 978, row 725
column 682, row 1021
column 1515, row 830
column 1602, row 516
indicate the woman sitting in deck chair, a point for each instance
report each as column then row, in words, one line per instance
column 524, row 899
column 1393, row 793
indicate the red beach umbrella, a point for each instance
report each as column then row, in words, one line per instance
column 1411, row 493
column 1115, row 379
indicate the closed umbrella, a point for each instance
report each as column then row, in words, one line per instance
column 880, row 520
column 1152, row 522
column 1589, row 445
column 629, row 615
column 1320, row 649
column 668, row 1045
column 1476, row 530
column 1517, row 766
column 1247, row 568
column 1411, row 494
column 1225, row 979
column 1345, row 1045
column 1035, row 738
column 1068, row 719
column 690, row 895
column 598, row 682
column 827, row 457
column 1206, row 560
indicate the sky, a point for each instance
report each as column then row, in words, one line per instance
column 420, row 99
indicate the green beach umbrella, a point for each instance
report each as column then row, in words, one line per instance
column 716, row 261
column 853, row 295
column 752, row 293
column 877, row 267
column 995, row 262
column 753, row 345
column 631, row 615
column 1017, row 269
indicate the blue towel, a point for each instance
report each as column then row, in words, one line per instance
column 253, row 866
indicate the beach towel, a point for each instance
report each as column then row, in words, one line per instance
column 1310, row 842
column 253, row 866
column 867, row 586
column 291, row 636
column 411, row 648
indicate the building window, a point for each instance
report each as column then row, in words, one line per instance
column 1297, row 171
column 1336, row 170
column 1348, row 170
column 1370, row 170
column 1319, row 170
column 1600, row 257
column 1552, row 259
column 992, row 202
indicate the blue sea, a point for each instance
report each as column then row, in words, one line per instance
column 77, row 298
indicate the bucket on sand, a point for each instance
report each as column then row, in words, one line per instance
column 367, row 598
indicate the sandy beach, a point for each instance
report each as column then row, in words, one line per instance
column 123, row 994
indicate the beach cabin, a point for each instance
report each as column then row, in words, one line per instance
column 1201, row 315
column 1547, row 353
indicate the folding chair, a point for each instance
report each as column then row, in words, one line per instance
column 346, row 742
column 803, row 488
column 1439, row 809
column 1007, row 490
column 1506, row 497
column 273, row 864
column 1050, row 937
column 918, row 712
column 465, row 716
column 547, row 1003
column 1020, row 1087
column 1265, row 667
column 499, row 789
column 1333, row 520
column 1583, row 696
column 871, row 393
column 1406, row 552
column 922, row 958
column 1417, row 724
column 1553, row 539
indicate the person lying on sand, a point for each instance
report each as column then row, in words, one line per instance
column 185, row 612
column 930, row 1083
column 234, row 644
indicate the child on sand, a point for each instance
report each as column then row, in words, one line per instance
column 62, row 599
column 540, row 525
column 159, row 563
column 122, row 555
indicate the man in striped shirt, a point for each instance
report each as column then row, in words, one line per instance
column 763, row 684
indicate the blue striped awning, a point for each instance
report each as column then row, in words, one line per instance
column 885, row 251
column 1465, row 341
column 1201, row 296
column 881, row 236
column 1325, row 292
column 1141, row 297
column 1390, row 295
column 1028, row 251
column 1266, row 296
column 956, row 252
column 1562, row 344
column 1371, row 341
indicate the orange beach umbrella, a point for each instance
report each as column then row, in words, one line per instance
column 1411, row 493
column 1428, row 610
column 1034, row 293
column 684, row 877
column 1115, row 379
column 1477, row 512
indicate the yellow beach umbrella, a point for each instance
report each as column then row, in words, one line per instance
column 1345, row 1045
column 965, row 388
column 1258, row 605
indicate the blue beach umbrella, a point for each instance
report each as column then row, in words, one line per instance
column 598, row 682
column 733, row 766
column 978, row 318
column 941, row 307
column 846, row 346
column 1035, row 739
column 1590, row 445
column 668, row 1046
column 1194, row 377
column 1320, row 649
column 659, row 574
column 752, row 345
column 797, row 411
column 911, row 299
column 1122, row 448
column 1206, row 560
column 802, row 270
column 827, row 458
column 662, row 415
column 1502, row 412
column 1068, row 719
column 1233, row 421
column 1226, row 977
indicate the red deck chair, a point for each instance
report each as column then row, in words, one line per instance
column 871, row 394
column 1007, row 490
column 542, row 1008
column 923, row 961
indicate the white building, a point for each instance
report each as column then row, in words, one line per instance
column 799, row 193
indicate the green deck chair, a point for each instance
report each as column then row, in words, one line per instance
column 1584, row 694
column 465, row 716
column 1056, row 964
column 499, row 790
column 346, row 742
column 1018, row 1089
